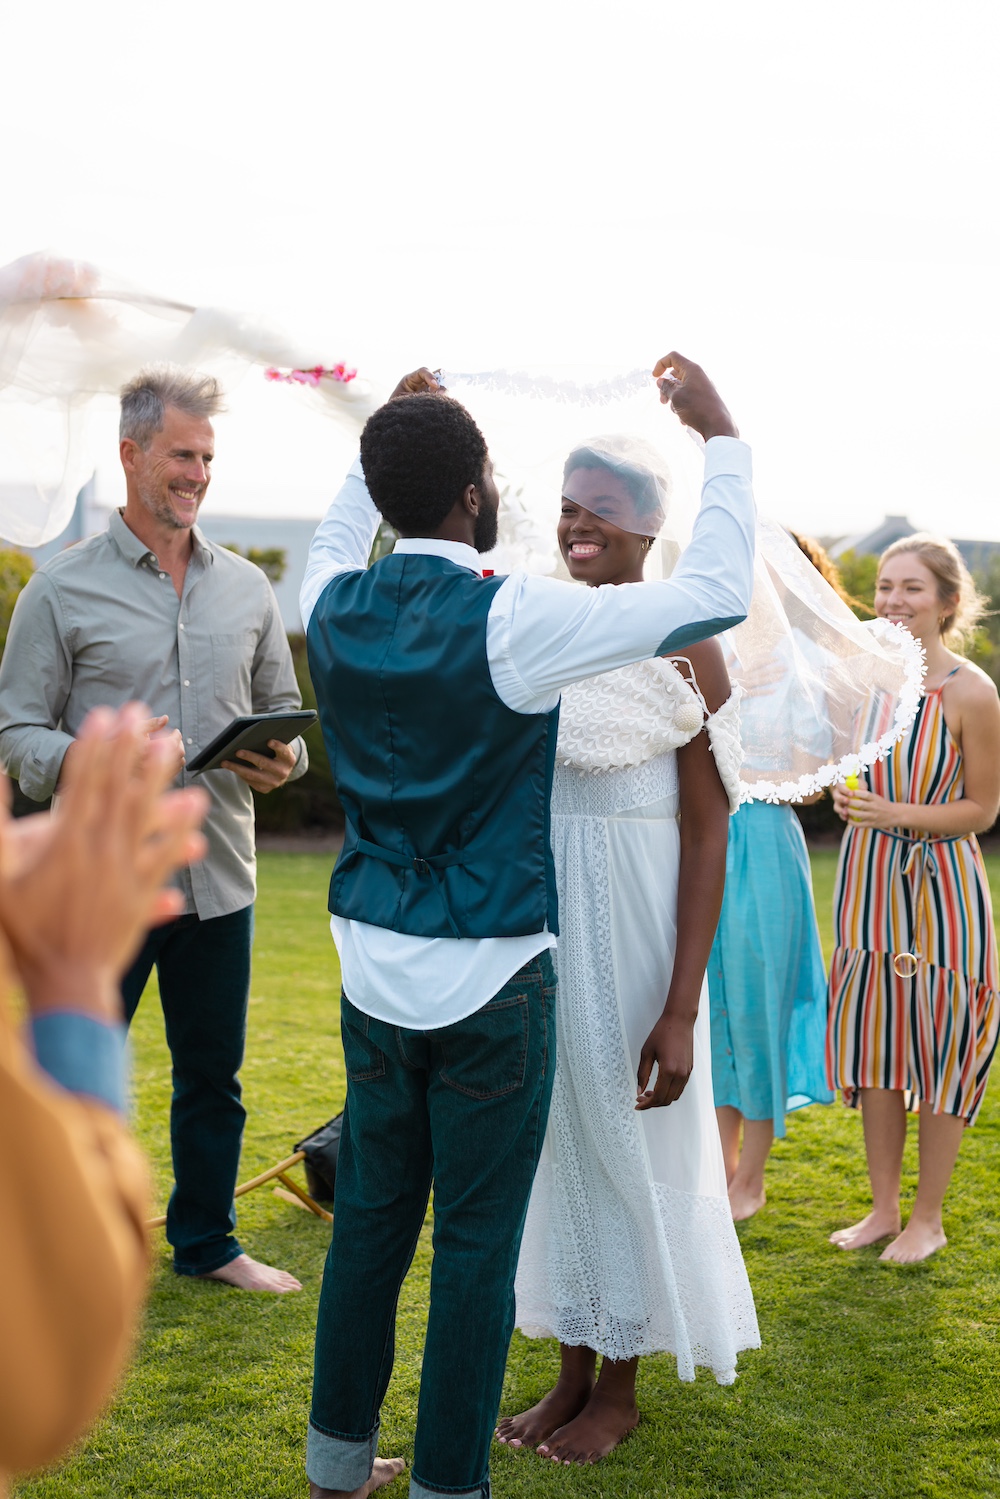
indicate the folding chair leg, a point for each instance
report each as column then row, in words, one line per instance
column 278, row 1171
column 304, row 1198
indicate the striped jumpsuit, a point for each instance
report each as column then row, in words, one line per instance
column 932, row 1035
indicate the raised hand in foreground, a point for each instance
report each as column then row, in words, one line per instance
column 80, row 886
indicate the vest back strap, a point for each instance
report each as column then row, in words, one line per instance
column 423, row 866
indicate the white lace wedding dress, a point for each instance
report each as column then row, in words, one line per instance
column 629, row 1247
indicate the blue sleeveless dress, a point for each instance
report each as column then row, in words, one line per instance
column 766, row 978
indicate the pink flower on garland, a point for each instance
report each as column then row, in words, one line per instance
column 338, row 372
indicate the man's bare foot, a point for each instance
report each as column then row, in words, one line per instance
column 561, row 1404
column 595, row 1432
column 384, row 1471
column 918, row 1241
column 250, row 1275
column 876, row 1226
column 745, row 1201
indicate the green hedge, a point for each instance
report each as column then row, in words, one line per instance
column 310, row 804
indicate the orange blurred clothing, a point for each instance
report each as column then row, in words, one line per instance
column 73, row 1199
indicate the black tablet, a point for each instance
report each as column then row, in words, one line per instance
column 250, row 733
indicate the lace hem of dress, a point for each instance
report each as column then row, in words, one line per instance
column 705, row 1266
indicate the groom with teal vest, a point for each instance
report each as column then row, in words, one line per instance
column 438, row 692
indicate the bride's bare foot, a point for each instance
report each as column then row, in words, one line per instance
column 384, row 1471
column 745, row 1201
column 564, row 1401
column 596, row 1431
column 250, row 1275
column 918, row 1241
column 876, row 1226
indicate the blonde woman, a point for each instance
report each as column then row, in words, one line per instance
column 914, row 1007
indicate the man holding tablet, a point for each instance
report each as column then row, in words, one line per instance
column 150, row 609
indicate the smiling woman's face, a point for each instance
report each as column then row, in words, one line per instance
column 907, row 593
column 594, row 549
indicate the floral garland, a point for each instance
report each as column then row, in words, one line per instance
column 338, row 372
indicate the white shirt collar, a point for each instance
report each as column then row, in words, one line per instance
column 452, row 551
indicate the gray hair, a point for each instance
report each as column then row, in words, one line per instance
column 146, row 397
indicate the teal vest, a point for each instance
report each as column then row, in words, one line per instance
column 445, row 789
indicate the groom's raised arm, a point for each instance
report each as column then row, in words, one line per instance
column 543, row 634
column 343, row 539
column 345, row 536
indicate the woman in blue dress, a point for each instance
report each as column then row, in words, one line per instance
column 766, row 977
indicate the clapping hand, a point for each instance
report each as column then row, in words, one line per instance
column 153, row 728
column 80, row 886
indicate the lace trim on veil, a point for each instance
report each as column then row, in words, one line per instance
column 876, row 748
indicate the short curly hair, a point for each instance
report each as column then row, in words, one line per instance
column 419, row 453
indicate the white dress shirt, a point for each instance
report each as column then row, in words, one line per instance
column 541, row 634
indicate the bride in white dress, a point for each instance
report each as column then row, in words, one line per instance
column 629, row 1246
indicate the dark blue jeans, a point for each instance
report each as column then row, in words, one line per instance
column 463, row 1107
column 204, row 972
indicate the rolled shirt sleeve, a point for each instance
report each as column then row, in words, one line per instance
column 36, row 676
column 273, row 685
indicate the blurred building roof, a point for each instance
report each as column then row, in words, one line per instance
column 977, row 554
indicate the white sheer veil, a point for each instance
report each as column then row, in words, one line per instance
column 71, row 335
column 823, row 694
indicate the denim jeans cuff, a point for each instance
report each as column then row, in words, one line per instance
column 336, row 1462
column 232, row 1251
column 419, row 1490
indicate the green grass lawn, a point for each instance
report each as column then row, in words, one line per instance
column 873, row 1382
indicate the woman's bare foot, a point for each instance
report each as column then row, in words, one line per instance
column 745, row 1201
column 596, row 1431
column 384, row 1471
column 564, row 1401
column 250, row 1275
column 918, row 1241
column 876, row 1226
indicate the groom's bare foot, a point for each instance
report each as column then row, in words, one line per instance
column 384, row 1471
column 564, row 1401
column 869, row 1231
column 918, row 1241
column 250, row 1275
column 595, row 1432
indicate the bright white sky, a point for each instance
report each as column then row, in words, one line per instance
column 802, row 198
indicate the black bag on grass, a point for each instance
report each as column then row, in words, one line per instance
column 322, row 1148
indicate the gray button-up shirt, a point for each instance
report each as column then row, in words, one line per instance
column 101, row 623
